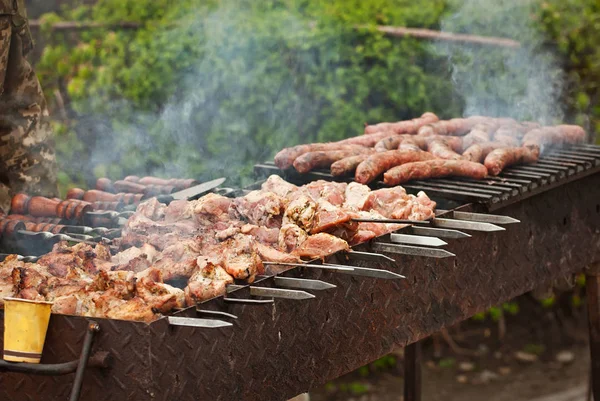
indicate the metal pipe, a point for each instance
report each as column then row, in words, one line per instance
column 412, row 372
column 592, row 280
column 98, row 360
column 92, row 329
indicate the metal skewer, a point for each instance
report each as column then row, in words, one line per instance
column 197, row 322
column 391, row 221
column 416, row 240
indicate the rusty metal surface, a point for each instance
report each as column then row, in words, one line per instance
column 276, row 351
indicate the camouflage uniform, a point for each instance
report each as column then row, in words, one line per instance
column 27, row 161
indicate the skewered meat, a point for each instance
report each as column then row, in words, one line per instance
column 403, row 127
column 211, row 208
column 332, row 192
column 159, row 297
column 356, row 196
column 323, row 159
column 152, row 209
column 300, row 212
column 269, row 254
column 120, row 309
column 321, row 245
column 279, row 186
column 264, row 235
column 260, row 208
column 240, row 257
column 499, row 159
column 291, row 237
column 434, row 169
column 478, row 152
column 286, row 157
column 394, row 203
column 207, row 281
column 440, row 148
column 347, row 165
column 327, row 216
column 377, row 163
column 146, row 251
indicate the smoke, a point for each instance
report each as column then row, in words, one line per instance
column 524, row 83
column 220, row 85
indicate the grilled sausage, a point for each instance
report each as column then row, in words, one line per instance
column 478, row 134
column 285, row 158
column 478, row 152
column 559, row 135
column 499, row 159
column 455, row 126
column 347, row 165
column 395, row 141
column 434, row 169
column 321, row 159
column 377, row 163
column 443, row 150
column 403, row 127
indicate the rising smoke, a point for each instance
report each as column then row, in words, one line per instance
column 524, row 83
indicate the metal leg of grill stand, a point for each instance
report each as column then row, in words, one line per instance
column 93, row 328
column 412, row 372
column 592, row 280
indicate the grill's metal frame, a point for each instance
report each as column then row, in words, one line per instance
column 275, row 351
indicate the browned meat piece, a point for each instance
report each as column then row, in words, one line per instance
column 394, row 203
column 321, row 245
column 151, row 209
column 366, row 140
column 264, row 235
column 259, row 208
column 356, row 196
column 327, row 216
column 332, row 192
column 441, row 149
column 323, row 159
column 278, row 186
column 389, row 143
column 269, row 254
column 222, row 235
column 240, row 257
column 403, row 127
column 57, row 287
column 286, row 157
column 179, row 210
column 499, row 159
column 207, row 281
column 211, row 208
column 454, row 142
column 119, row 283
column 291, row 237
column 123, row 258
column 559, row 135
column 159, row 297
column 347, row 165
column 61, row 262
column 30, row 281
column 377, row 163
column 179, row 259
column 478, row 152
column 119, row 309
column 301, row 212
column 6, row 280
column 433, row 169
column 65, row 305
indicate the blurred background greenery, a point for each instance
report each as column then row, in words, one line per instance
column 205, row 88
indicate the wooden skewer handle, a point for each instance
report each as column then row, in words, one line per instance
column 38, row 206
column 106, row 185
column 75, row 193
column 95, row 195
column 8, row 227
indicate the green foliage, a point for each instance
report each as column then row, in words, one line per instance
column 208, row 88
column 447, row 362
column 536, row 349
column 573, row 30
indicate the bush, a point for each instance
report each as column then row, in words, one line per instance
column 209, row 88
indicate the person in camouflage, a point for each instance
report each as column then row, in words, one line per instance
column 27, row 160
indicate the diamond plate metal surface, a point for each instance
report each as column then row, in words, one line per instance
column 274, row 352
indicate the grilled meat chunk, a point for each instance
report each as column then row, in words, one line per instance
column 260, row 208
column 278, row 186
column 291, row 236
column 321, row 245
column 347, row 165
column 403, row 127
column 207, row 281
column 324, row 159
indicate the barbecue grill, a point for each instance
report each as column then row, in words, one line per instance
column 259, row 343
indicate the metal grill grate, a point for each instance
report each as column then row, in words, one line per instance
column 515, row 183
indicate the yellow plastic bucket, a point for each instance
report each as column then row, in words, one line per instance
column 25, row 326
